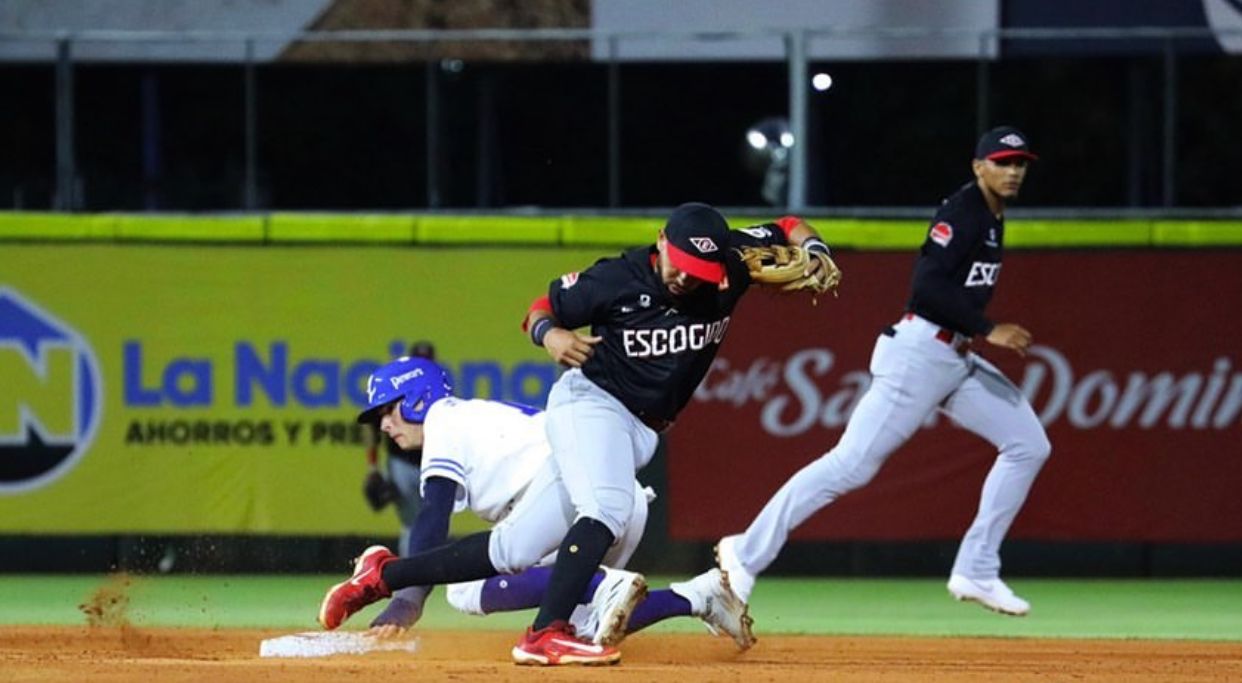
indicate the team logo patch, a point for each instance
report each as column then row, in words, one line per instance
column 569, row 280
column 758, row 233
column 942, row 234
column 403, row 378
column 705, row 245
column 1013, row 140
column 52, row 397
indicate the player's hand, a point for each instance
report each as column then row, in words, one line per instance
column 569, row 347
column 378, row 491
column 398, row 616
column 1010, row 336
column 386, row 632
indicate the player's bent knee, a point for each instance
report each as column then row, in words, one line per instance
column 1033, row 448
column 517, row 560
column 613, row 509
column 1033, row 444
column 509, row 555
column 1042, row 447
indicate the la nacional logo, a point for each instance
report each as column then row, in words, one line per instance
column 50, row 395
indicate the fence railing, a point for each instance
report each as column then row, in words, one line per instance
column 68, row 49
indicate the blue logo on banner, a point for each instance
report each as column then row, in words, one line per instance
column 47, row 422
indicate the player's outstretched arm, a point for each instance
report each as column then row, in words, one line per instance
column 401, row 613
column 806, row 236
column 802, row 263
column 430, row 530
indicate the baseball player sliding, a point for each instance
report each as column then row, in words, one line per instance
column 494, row 459
column 924, row 363
column 398, row 484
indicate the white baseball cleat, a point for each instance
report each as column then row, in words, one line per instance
column 991, row 593
column 736, row 578
column 603, row 620
column 721, row 611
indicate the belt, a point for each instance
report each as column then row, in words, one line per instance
column 958, row 342
column 658, row 425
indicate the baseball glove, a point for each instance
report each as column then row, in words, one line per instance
column 790, row 269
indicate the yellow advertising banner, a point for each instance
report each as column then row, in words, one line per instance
column 193, row 388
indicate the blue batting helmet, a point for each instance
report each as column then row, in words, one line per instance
column 416, row 382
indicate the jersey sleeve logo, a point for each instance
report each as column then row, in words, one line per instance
column 759, row 233
column 705, row 245
column 569, row 280
column 941, row 233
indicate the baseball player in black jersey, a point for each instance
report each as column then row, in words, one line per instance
column 657, row 316
column 924, row 363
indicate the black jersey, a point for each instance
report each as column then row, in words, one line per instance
column 959, row 264
column 655, row 348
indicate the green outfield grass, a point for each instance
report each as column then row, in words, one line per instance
column 1195, row 609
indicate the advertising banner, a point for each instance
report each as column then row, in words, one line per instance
column 214, row 388
column 1136, row 373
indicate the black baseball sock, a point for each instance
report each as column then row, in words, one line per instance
column 580, row 554
column 463, row 560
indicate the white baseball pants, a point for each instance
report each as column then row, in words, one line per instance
column 597, row 447
column 914, row 373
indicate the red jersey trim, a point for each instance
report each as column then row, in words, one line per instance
column 543, row 303
column 788, row 223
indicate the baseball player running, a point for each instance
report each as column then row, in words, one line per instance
column 924, row 363
column 488, row 456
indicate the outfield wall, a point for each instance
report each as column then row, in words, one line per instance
column 188, row 376
column 1136, row 373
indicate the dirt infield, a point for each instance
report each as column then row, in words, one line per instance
column 168, row 655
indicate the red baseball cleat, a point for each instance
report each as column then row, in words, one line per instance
column 363, row 588
column 556, row 644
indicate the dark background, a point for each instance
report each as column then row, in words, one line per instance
column 514, row 134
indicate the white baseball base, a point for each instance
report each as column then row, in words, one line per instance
column 326, row 643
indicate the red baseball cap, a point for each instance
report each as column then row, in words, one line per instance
column 697, row 237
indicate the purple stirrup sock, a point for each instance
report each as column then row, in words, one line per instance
column 659, row 605
column 508, row 593
column 590, row 591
